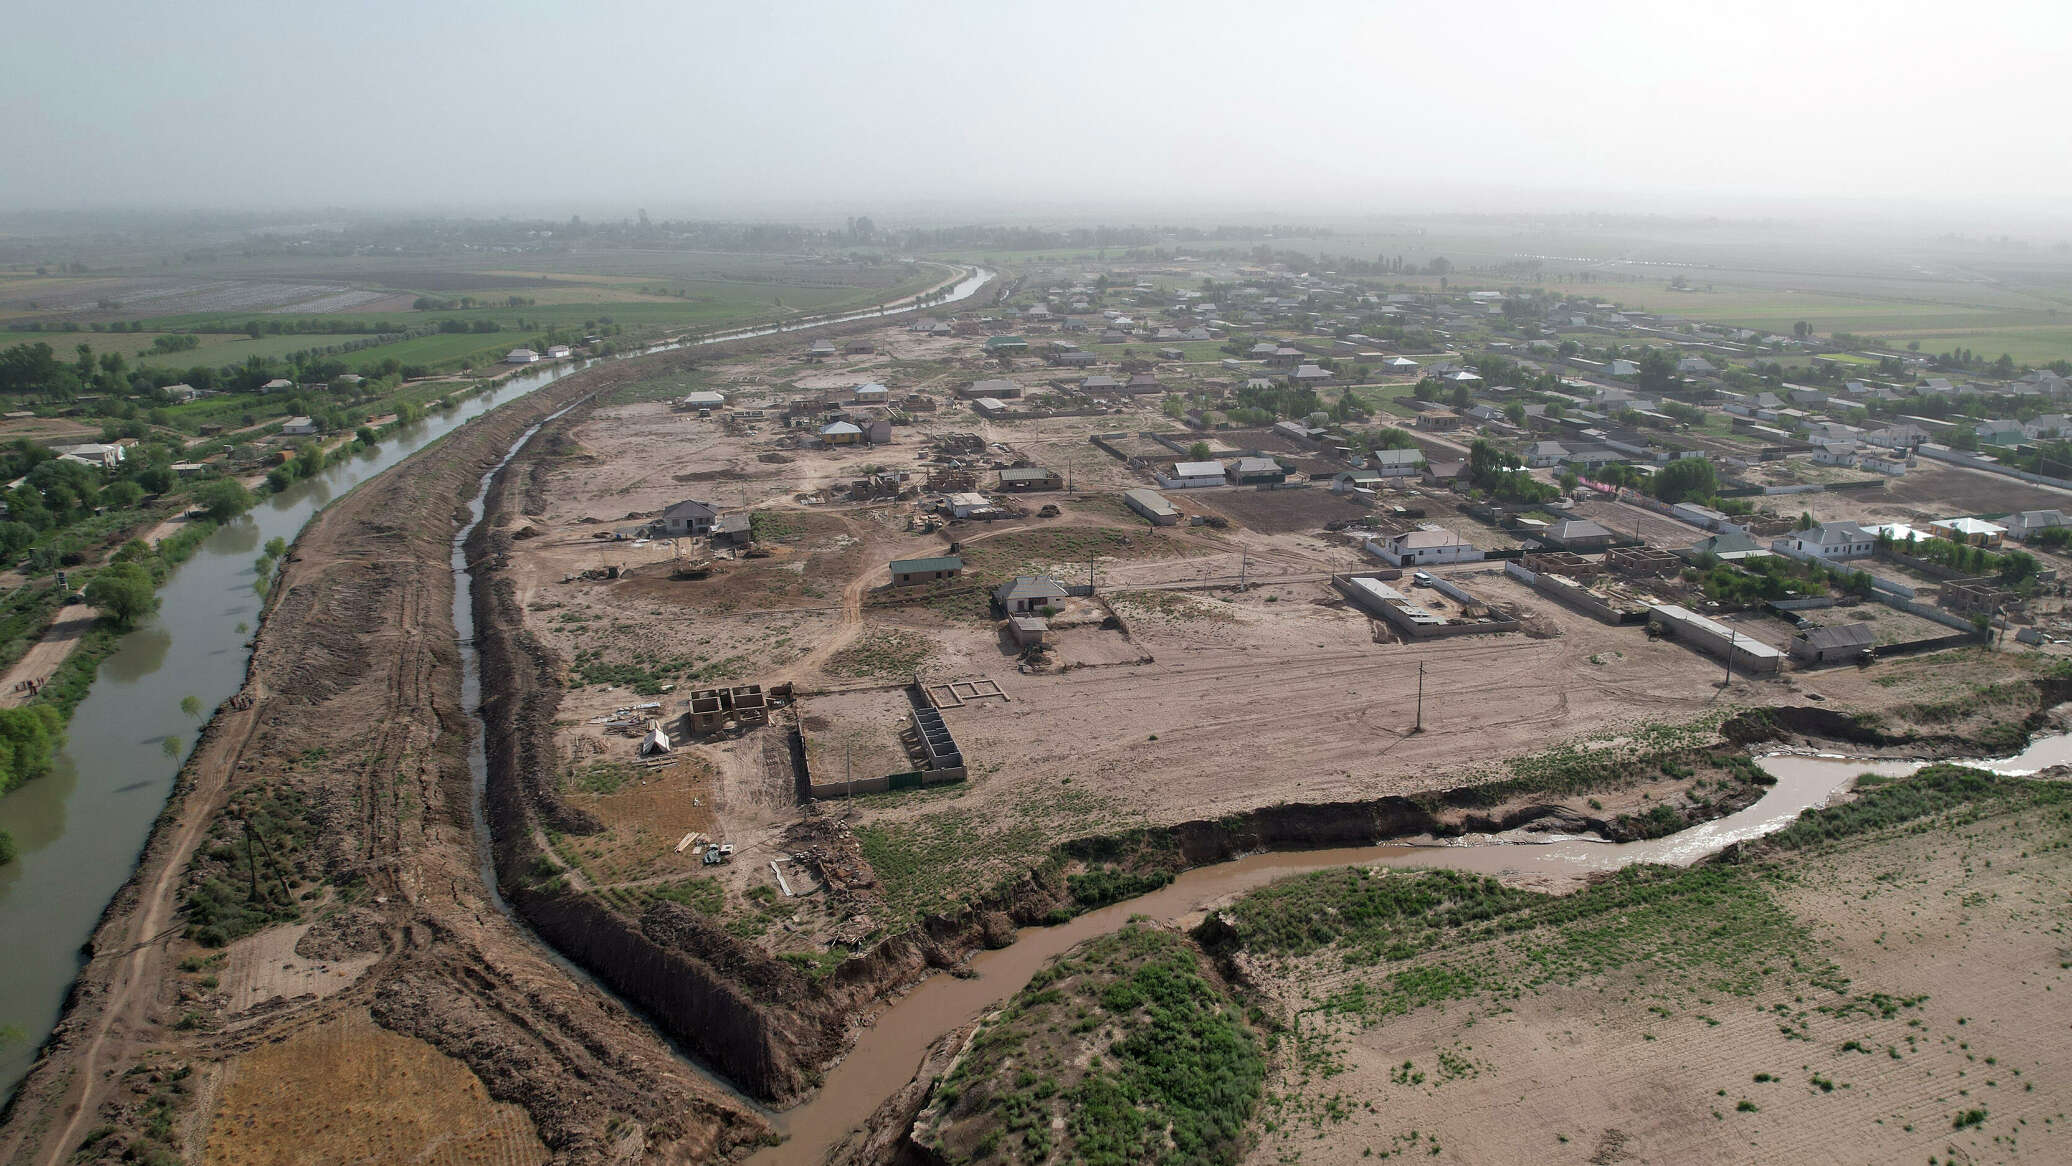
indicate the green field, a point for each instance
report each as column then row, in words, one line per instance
column 630, row 294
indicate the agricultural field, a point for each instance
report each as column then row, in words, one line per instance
column 337, row 301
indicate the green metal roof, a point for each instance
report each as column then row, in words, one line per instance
column 916, row 566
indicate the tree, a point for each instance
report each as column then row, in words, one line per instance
column 1198, row 452
column 121, row 495
column 223, row 499
column 1684, row 478
column 29, row 736
column 1658, row 371
column 123, row 593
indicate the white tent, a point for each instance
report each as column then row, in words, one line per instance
column 656, row 740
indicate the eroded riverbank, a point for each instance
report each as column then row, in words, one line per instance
column 856, row 1118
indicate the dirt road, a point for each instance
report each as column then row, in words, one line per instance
column 357, row 725
column 44, row 656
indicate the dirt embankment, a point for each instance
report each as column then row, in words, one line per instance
column 357, row 711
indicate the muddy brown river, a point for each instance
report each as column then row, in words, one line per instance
column 888, row 1053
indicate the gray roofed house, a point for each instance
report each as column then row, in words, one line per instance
column 1729, row 546
column 1026, row 593
column 1396, row 463
column 2027, row 523
column 1843, row 643
column 1029, row 478
column 1577, row 534
column 689, row 517
column 1257, row 469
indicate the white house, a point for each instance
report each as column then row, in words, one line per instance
column 1830, row 541
column 1396, row 463
column 1024, row 594
column 1622, row 368
column 1545, row 453
column 871, row 393
column 1400, row 365
column 521, row 356
column 558, row 352
column 968, row 503
column 2029, row 522
column 704, row 399
column 1430, row 544
column 106, row 457
column 1192, row 475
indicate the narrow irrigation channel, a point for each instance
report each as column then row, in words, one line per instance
column 81, row 828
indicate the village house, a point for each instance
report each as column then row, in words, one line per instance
column 2028, row 523
column 1022, row 479
column 1972, row 531
column 841, row 433
column 1842, row 644
column 998, row 387
column 1026, row 594
column 907, row 572
column 1192, row 475
column 100, row 455
column 558, row 352
column 518, row 356
column 1422, row 547
column 298, row 427
column 1579, row 535
column 2001, row 432
column 1831, row 542
column 966, row 503
column 689, row 519
column 1253, row 471
column 1396, row 463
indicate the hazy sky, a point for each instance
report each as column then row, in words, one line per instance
column 739, row 108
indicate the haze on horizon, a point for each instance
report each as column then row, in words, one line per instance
column 796, row 108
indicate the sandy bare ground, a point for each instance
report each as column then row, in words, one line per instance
column 363, row 647
column 1966, row 923
column 44, row 656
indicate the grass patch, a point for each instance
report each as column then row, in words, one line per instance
column 1125, row 1051
column 886, row 653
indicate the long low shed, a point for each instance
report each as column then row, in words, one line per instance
column 1152, row 505
column 1716, row 639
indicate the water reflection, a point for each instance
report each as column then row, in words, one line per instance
column 141, row 654
column 80, row 828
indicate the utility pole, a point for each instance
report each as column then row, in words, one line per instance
column 1419, row 727
column 1731, row 640
column 1244, row 563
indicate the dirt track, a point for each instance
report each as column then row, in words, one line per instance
column 357, row 686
